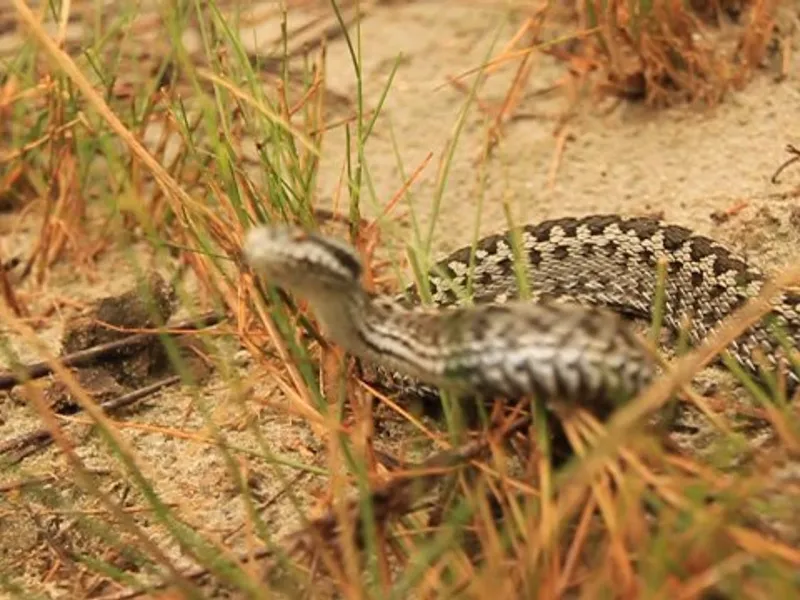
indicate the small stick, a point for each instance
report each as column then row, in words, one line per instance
column 82, row 358
column 38, row 439
column 8, row 290
column 795, row 156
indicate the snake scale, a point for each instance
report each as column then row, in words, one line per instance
column 569, row 341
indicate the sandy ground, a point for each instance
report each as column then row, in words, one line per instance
column 685, row 163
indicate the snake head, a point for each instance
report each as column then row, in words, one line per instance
column 300, row 261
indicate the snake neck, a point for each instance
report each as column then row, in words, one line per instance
column 381, row 331
column 495, row 350
column 334, row 310
column 352, row 318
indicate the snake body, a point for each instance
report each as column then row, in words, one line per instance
column 564, row 342
column 611, row 261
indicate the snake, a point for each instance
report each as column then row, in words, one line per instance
column 570, row 338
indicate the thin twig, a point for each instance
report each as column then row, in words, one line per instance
column 36, row 440
column 7, row 291
column 19, row 484
column 88, row 356
column 795, row 156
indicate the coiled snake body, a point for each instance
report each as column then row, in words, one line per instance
column 574, row 350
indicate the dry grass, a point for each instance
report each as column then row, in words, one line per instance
column 490, row 516
column 671, row 52
column 658, row 52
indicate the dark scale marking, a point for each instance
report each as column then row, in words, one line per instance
column 507, row 264
column 611, row 249
column 460, row 256
column 485, row 279
column 675, row 236
column 674, row 269
column 725, row 263
column 570, row 226
column 588, row 249
column 642, row 227
column 534, row 257
column 544, row 231
column 697, row 279
column 598, row 224
column 792, row 299
column 497, row 240
column 717, row 291
column 561, row 252
column 541, row 233
column 701, row 248
column 345, row 257
column 647, row 257
column 699, row 305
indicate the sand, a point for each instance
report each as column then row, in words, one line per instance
column 688, row 164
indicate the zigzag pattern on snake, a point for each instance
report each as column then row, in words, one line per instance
column 552, row 347
column 611, row 261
